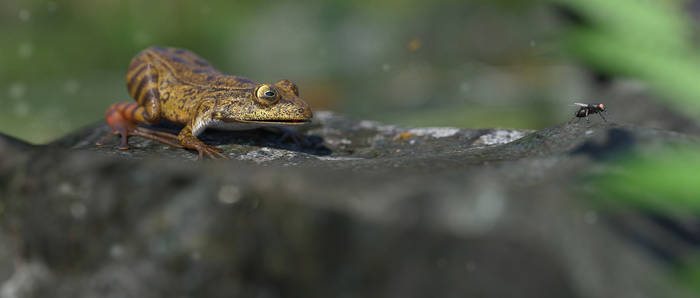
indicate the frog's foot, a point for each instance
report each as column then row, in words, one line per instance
column 287, row 133
column 191, row 142
column 120, row 125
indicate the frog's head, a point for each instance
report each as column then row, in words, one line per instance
column 277, row 104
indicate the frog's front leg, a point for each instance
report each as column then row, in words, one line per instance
column 197, row 124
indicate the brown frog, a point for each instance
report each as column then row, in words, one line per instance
column 179, row 86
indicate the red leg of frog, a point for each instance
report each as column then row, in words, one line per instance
column 123, row 116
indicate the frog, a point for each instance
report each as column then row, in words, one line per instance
column 178, row 86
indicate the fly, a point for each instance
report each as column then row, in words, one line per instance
column 591, row 108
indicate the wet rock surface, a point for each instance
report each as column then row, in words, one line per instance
column 365, row 210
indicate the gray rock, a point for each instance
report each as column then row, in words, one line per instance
column 367, row 210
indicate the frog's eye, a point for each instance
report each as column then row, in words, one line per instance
column 266, row 95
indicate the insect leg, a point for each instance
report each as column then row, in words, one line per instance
column 601, row 116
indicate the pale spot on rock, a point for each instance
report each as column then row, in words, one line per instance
column 499, row 137
column 435, row 132
column 229, row 194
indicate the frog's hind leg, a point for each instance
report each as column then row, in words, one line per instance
column 142, row 84
column 155, row 135
column 123, row 116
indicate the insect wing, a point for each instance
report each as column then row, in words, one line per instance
column 581, row 104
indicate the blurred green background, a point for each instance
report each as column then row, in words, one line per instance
column 480, row 63
column 459, row 63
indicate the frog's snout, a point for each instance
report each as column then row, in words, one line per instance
column 306, row 113
column 298, row 109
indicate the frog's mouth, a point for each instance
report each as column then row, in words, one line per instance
column 277, row 122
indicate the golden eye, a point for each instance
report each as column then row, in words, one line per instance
column 266, row 95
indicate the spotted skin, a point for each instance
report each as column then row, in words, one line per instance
column 178, row 86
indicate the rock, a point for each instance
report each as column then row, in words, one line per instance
column 368, row 210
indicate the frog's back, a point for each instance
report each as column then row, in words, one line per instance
column 187, row 68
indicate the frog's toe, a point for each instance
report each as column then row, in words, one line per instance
column 210, row 151
column 104, row 139
column 204, row 149
column 191, row 142
column 123, row 145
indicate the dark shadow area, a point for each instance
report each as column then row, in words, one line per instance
column 254, row 137
column 658, row 250
column 617, row 141
column 687, row 231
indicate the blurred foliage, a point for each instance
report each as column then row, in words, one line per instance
column 650, row 41
column 689, row 274
column 647, row 40
column 658, row 180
